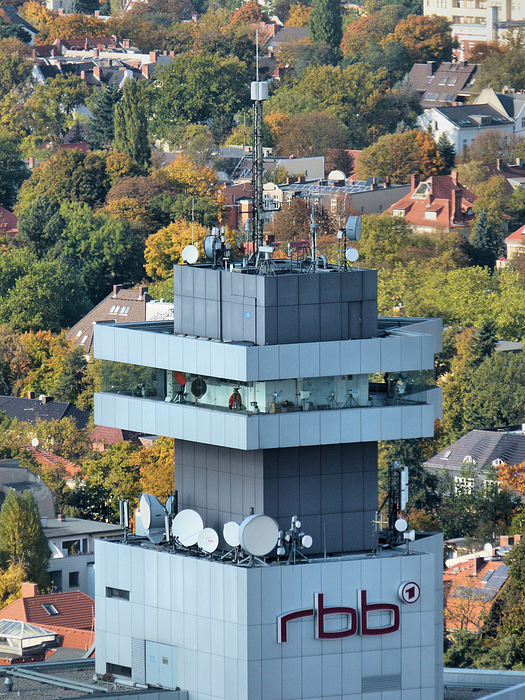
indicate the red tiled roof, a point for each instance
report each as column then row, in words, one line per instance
column 440, row 200
column 76, row 611
column 517, row 236
column 110, row 436
column 8, row 222
column 48, row 459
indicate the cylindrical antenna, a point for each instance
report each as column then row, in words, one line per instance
column 192, row 217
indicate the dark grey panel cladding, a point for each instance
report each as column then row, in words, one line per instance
column 333, row 488
column 281, row 309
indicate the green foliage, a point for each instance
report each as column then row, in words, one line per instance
column 382, row 239
column 8, row 31
column 15, row 66
column 22, row 538
column 13, row 170
column 52, row 104
column 447, row 152
column 101, row 127
column 505, row 68
column 326, row 25
column 72, row 380
column 130, row 124
column 40, row 225
column 485, row 241
column 492, row 198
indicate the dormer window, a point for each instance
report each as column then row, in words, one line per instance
column 399, row 212
column 431, row 215
column 469, row 459
column 422, row 191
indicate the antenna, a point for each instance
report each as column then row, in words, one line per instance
column 259, row 93
column 190, row 253
column 153, row 517
column 258, row 535
column 292, row 541
column 313, row 236
column 123, row 506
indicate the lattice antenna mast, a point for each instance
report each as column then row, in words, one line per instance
column 259, row 93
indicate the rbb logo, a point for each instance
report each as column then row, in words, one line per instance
column 409, row 592
column 357, row 620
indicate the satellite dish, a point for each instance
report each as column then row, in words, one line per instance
column 208, row 540
column 355, row 392
column 307, row 541
column 212, row 244
column 186, row 527
column 351, row 254
column 152, row 512
column 401, row 525
column 198, row 387
column 265, row 249
column 411, row 536
column 190, row 254
column 258, row 535
column 402, row 387
column 156, row 536
column 230, row 532
column 170, row 502
column 336, row 175
column 353, row 228
column 180, row 378
column 35, row 442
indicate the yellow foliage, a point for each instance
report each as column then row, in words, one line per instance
column 512, row 476
column 299, row 16
column 156, row 467
column 191, row 179
column 38, row 15
column 276, row 123
column 129, row 210
column 11, row 584
column 164, row 248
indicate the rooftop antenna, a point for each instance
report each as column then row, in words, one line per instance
column 259, row 93
column 313, row 235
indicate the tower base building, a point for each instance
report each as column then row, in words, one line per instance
column 277, row 388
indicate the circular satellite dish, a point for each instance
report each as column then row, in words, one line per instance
column 198, row 387
column 169, row 504
column 353, row 228
column 180, row 378
column 35, row 442
column 258, row 535
column 351, row 254
column 230, row 532
column 336, row 175
column 209, row 246
column 152, row 512
column 208, row 540
column 401, row 525
column 187, row 526
column 307, row 541
column 355, row 392
column 190, row 254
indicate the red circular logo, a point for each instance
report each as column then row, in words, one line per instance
column 409, row 592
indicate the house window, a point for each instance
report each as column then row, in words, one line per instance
column 523, row 122
column 498, row 462
column 447, row 454
column 118, row 670
column 73, row 579
column 443, row 81
column 117, row 593
column 463, row 485
column 50, row 609
column 333, row 205
column 399, row 212
column 431, row 215
column 452, row 81
column 469, row 459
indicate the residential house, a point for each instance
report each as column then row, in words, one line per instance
column 441, row 201
column 286, row 35
column 121, row 306
column 515, row 244
column 472, row 583
column 44, row 408
column 49, row 461
column 15, row 478
column 8, row 223
column 10, row 14
column 464, row 122
column 477, row 453
column 101, row 437
column 72, row 544
column 508, row 104
column 71, row 615
column 445, row 84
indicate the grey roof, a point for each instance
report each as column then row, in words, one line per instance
column 451, row 82
column 288, row 34
column 22, row 630
column 31, row 410
column 484, row 447
column 466, row 116
column 308, row 188
column 75, row 527
column 512, row 103
column 13, row 17
column 489, row 591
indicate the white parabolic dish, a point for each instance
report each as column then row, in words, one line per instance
column 208, row 540
column 230, row 532
column 152, row 512
column 258, row 535
column 190, row 254
column 186, row 527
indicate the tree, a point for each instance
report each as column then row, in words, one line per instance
column 131, row 130
column 52, row 105
column 426, row 38
column 72, row 380
column 369, row 30
column 249, row 13
column 195, row 88
column 15, row 66
column 447, row 152
column 156, row 468
column 22, row 538
column 101, row 127
column 485, row 242
column 492, row 198
column 326, row 26
column 398, row 156
column 13, row 170
column 164, row 248
column 298, row 16
column 486, row 340
column 8, row 31
column 504, row 64
column 310, row 134
column 40, row 225
column 489, row 146
column 382, row 239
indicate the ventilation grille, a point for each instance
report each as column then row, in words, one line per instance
column 375, row 684
column 138, row 660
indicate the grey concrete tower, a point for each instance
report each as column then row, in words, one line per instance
column 320, row 380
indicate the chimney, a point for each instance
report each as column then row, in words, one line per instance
column 54, row 52
column 506, row 540
column 86, row 45
column 30, row 394
column 414, row 179
column 477, row 564
column 172, row 54
column 517, row 538
column 116, row 289
column 373, row 186
column 34, row 53
column 61, row 518
column 431, row 68
column 519, row 162
column 457, row 217
column 29, row 590
column 60, row 11
column 126, row 43
column 31, row 162
column 97, row 13
column 142, row 291
column 387, row 181
column 146, row 69
column 301, row 178
column 45, row 399
column 96, row 72
column 455, row 177
column 499, row 164
column 82, row 75
column 164, row 53
column 96, row 53
column 153, row 55
column 44, row 522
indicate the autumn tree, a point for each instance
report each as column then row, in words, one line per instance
column 22, row 538
column 504, row 65
column 426, row 38
column 298, row 16
column 398, row 156
column 512, row 476
column 491, row 145
column 492, row 198
column 156, row 468
column 164, row 248
column 15, row 66
column 130, row 124
column 369, row 30
column 310, row 134
column 249, row 13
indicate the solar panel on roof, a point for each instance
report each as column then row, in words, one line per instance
column 487, row 576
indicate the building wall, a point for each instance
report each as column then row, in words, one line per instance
column 328, row 486
column 80, row 564
column 221, row 622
